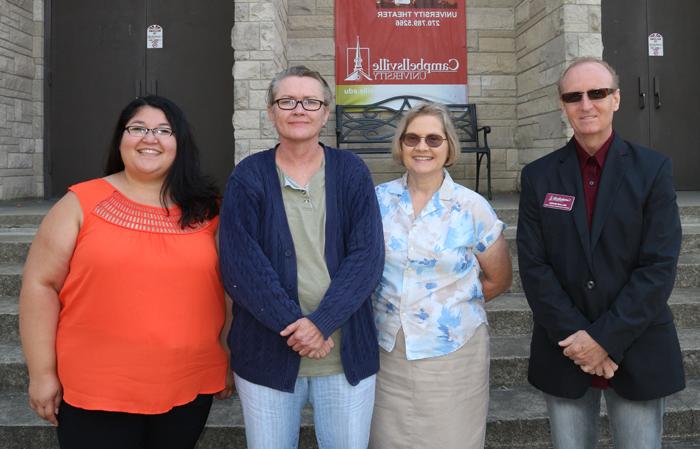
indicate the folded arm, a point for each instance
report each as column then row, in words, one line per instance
column 496, row 269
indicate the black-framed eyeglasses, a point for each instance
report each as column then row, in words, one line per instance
column 593, row 94
column 141, row 131
column 432, row 140
column 309, row 104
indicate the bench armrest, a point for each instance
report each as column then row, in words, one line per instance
column 486, row 130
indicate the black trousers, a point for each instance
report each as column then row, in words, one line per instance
column 178, row 428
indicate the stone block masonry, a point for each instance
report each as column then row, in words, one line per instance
column 21, row 98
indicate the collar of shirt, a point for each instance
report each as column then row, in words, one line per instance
column 445, row 194
column 599, row 156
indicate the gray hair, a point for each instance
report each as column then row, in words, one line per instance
column 588, row 60
column 436, row 110
column 301, row 71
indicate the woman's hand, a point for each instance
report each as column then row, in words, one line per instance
column 324, row 351
column 304, row 337
column 230, row 387
column 45, row 395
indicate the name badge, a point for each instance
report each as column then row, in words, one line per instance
column 559, row 201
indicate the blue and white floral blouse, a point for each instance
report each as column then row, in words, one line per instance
column 430, row 286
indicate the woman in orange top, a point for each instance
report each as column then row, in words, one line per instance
column 122, row 308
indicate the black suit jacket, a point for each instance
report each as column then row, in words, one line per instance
column 612, row 281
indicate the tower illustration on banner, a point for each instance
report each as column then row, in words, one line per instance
column 358, row 72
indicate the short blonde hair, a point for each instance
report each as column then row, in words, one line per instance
column 302, row 72
column 590, row 60
column 441, row 113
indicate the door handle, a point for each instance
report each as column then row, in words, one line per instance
column 154, row 87
column 657, row 93
column 642, row 95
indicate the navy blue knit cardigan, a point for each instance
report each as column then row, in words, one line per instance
column 258, row 266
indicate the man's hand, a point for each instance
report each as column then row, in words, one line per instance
column 583, row 350
column 304, row 337
column 606, row 369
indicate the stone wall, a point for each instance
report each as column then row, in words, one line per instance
column 549, row 34
column 493, row 84
column 21, row 98
column 259, row 38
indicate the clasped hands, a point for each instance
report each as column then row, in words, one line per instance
column 304, row 337
column 585, row 352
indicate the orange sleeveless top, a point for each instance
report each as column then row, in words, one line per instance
column 141, row 308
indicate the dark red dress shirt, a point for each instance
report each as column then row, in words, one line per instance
column 591, row 169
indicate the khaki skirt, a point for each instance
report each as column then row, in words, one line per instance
column 439, row 402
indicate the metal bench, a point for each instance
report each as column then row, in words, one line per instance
column 369, row 128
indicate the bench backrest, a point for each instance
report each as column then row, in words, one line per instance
column 370, row 128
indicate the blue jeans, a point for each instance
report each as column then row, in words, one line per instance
column 342, row 413
column 633, row 424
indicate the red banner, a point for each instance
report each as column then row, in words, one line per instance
column 386, row 48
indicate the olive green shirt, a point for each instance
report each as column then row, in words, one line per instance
column 306, row 214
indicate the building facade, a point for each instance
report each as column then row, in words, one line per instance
column 516, row 51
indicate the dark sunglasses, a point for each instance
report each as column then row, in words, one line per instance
column 432, row 140
column 593, row 94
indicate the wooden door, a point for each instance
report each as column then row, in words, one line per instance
column 97, row 62
column 659, row 105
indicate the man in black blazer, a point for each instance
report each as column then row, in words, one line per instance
column 598, row 241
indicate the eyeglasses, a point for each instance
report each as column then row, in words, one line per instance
column 141, row 131
column 593, row 94
column 309, row 104
column 432, row 140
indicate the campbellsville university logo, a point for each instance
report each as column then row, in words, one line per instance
column 359, row 55
column 384, row 69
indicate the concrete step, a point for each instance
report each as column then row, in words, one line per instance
column 509, row 358
column 519, row 413
column 18, row 223
column 690, row 242
column 510, row 355
column 510, row 314
column 14, row 244
column 687, row 273
column 10, row 279
column 9, row 320
column 13, row 372
column 506, row 207
column 23, row 213
column 517, row 419
column 29, row 213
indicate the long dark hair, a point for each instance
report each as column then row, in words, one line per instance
column 196, row 194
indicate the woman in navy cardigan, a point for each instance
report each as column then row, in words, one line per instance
column 301, row 250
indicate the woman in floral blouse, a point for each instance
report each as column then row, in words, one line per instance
column 445, row 257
